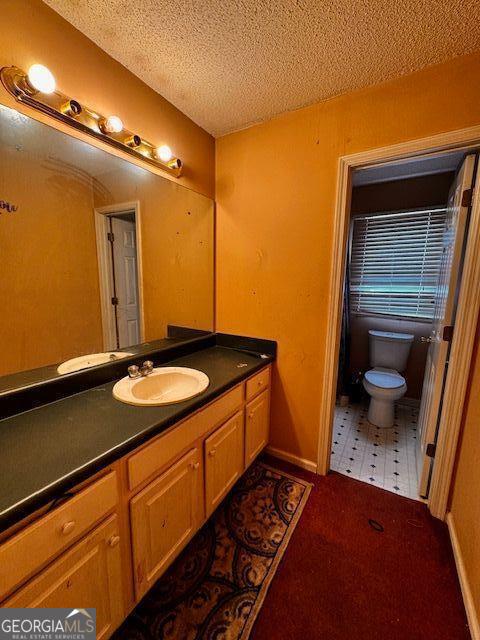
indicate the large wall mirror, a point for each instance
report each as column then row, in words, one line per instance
column 97, row 254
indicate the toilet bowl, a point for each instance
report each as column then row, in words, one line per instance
column 389, row 353
column 385, row 387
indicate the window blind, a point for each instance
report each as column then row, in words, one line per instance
column 395, row 262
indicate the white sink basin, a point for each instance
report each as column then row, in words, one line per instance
column 91, row 360
column 165, row 385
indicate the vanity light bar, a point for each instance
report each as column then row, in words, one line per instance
column 37, row 90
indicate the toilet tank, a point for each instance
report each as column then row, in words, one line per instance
column 389, row 349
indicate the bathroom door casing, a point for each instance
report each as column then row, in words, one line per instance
column 443, row 322
column 126, row 282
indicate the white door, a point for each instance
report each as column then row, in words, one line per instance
column 444, row 318
column 126, row 282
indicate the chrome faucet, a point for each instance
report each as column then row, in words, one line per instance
column 137, row 372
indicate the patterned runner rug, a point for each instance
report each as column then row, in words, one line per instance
column 216, row 587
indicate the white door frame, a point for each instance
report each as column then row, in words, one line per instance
column 467, row 310
column 105, row 271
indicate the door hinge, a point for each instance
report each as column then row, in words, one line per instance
column 110, row 236
column 447, row 333
column 467, row 197
column 114, row 301
column 431, row 450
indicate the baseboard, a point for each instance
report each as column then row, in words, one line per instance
column 309, row 465
column 468, row 600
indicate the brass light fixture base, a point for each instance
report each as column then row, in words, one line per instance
column 69, row 111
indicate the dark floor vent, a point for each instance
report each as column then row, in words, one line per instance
column 376, row 526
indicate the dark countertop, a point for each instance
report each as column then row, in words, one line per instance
column 26, row 390
column 22, row 379
column 48, row 450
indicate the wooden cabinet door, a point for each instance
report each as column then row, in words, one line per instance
column 88, row 575
column 164, row 516
column 223, row 460
column 257, row 426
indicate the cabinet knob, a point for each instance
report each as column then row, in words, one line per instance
column 250, row 415
column 212, row 452
column 68, row 527
column 194, row 465
column 113, row 541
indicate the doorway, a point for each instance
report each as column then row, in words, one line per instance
column 120, row 274
column 466, row 303
column 404, row 260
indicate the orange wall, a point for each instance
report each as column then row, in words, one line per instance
column 275, row 203
column 32, row 32
column 465, row 503
column 177, row 244
column 49, row 275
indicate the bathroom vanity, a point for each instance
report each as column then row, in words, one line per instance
column 107, row 266
column 101, row 496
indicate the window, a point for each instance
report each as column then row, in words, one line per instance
column 395, row 262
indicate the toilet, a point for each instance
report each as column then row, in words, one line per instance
column 385, row 385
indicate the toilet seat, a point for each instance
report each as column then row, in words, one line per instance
column 384, row 378
column 388, row 353
column 385, row 387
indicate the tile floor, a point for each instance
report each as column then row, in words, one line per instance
column 382, row 457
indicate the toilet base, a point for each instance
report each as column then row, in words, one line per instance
column 381, row 413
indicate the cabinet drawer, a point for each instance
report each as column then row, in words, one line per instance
column 258, row 382
column 29, row 550
column 87, row 575
column 155, row 456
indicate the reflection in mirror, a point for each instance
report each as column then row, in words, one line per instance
column 98, row 254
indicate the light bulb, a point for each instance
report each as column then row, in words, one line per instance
column 41, row 78
column 164, row 153
column 112, row 124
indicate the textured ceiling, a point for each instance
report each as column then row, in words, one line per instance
column 230, row 63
